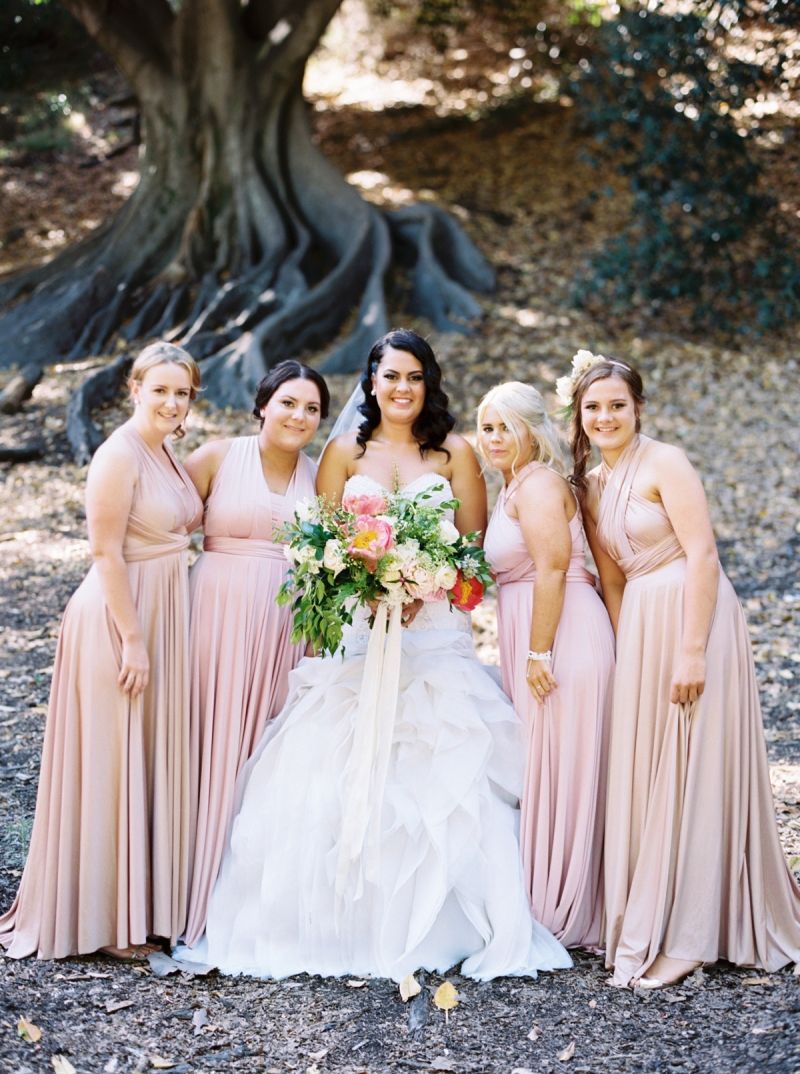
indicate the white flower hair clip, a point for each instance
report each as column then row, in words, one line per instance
column 581, row 361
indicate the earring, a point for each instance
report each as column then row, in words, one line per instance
column 372, row 391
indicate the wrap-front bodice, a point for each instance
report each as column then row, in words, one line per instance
column 505, row 543
column 243, row 516
column 635, row 531
column 165, row 507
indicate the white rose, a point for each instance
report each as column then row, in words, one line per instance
column 306, row 510
column 446, row 577
column 333, row 557
column 307, row 557
column 448, row 533
column 564, row 390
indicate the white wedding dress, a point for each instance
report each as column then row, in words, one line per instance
column 440, row 881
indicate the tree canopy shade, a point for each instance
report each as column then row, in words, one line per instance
column 241, row 242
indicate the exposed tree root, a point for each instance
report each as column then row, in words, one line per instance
column 241, row 242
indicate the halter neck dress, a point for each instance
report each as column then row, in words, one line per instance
column 109, row 853
column 563, row 796
column 240, row 645
column 439, row 880
column 694, row 867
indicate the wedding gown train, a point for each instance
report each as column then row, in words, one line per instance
column 439, row 880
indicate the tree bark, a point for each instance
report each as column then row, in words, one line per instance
column 241, row 242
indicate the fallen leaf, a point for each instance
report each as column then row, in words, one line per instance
column 522, row 1070
column 62, row 1065
column 445, row 997
column 567, row 1054
column 758, row 981
column 315, row 1057
column 158, row 1062
column 409, row 987
column 535, row 1033
column 355, row 983
column 200, row 1019
column 28, row 1031
column 313, row 1069
column 443, row 1062
column 118, row 1005
column 592, row 1003
column 111, row 1065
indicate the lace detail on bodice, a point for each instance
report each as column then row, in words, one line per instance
column 434, row 615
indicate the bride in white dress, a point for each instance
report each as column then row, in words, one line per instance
column 436, row 878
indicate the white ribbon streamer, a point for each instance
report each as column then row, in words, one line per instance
column 364, row 776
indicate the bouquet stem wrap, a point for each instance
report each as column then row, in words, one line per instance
column 364, row 776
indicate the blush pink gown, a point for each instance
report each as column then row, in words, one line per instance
column 241, row 652
column 694, row 866
column 563, row 798
column 109, row 853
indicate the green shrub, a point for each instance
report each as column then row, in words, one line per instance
column 661, row 93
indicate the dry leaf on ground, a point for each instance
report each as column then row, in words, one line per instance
column 158, row 1062
column 409, row 987
column 355, row 983
column 445, row 997
column 115, row 1005
column 565, row 1055
column 62, row 1065
column 534, row 1033
column 28, row 1031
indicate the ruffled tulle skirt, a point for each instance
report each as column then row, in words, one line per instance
column 446, row 884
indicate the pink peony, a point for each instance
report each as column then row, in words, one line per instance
column 373, row 537
column 365, row 504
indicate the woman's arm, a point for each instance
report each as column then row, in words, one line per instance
column 542, row 516
column 110, row 486
column 684, row 500
column 469, row 488
column 612, row 577
column 204, row 463
column 334, row 467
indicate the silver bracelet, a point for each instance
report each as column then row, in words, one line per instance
column 548, row 655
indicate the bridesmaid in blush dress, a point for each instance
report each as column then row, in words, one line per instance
column 108, row 858
column 694, row 867
column 241, row 649
column 557, row 660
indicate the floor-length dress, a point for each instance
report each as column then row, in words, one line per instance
column 694, row 866
column 108, row 858
column 563, row 799
column 439, row 879
column 240, row 646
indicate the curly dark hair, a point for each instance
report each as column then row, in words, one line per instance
column 435, row 421
column 579, row 441
column 289, row 369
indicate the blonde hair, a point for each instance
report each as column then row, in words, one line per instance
column 163, row 353
column 521, row 407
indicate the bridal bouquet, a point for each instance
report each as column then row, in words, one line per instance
column 391, row 547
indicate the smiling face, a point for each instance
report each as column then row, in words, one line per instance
column 609, row 414
column 506, row 447
column 162, row 399
column 291, row 415
column 399, row 386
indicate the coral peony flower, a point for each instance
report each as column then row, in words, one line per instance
column 372, row 538
column 467, row 593
column 365, row 503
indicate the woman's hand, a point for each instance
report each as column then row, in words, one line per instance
column 540, row 679
column 689, row 679
column 135, row 671
column 410, row 612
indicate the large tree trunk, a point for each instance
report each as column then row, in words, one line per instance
column 240, row 242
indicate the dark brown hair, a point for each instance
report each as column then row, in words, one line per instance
column 579, row 441
column 435, row 420
column 290, row 369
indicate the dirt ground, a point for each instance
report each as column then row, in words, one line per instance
column 732, row 410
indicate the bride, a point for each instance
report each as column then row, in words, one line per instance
column 385, row 847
